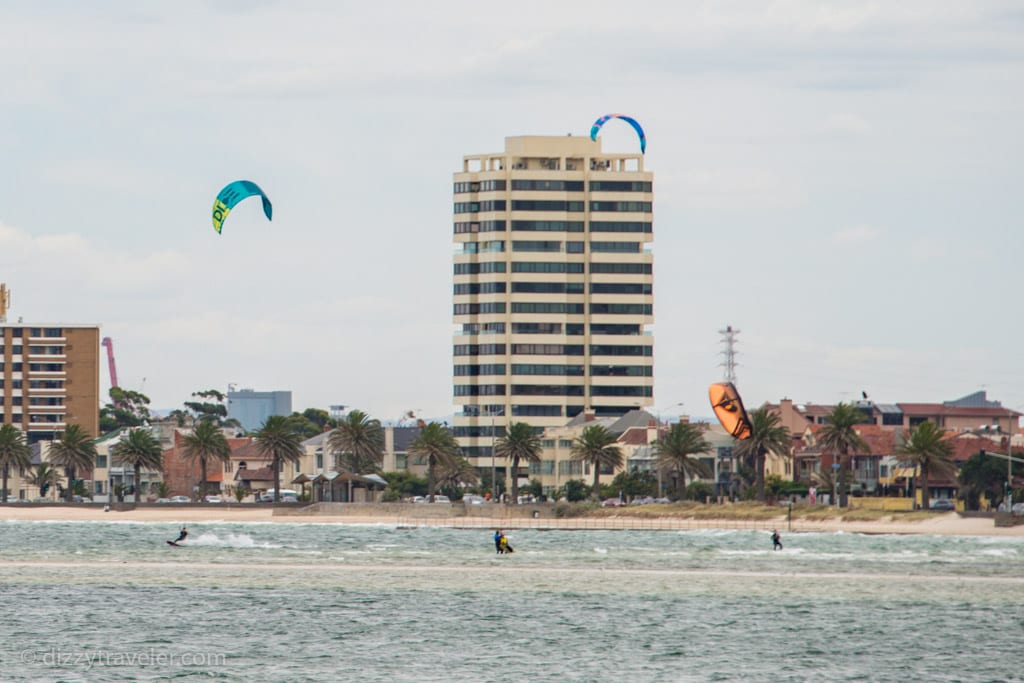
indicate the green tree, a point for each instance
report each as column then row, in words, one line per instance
column 45, row 477
column 321, row 418
column 839, row 435
column 303, row 426
column 357, row 443
column 927, row 450
column 767, row 435
column 126, row 409
column 519, row 443
column 633, row 485
column 205, row 444
column 673, row 451
column 575, row 490
column 14, row 452
column 983, row 474
column 75, row 452
column 278, row 442
column 597, row 446
column 534, row 488
column 405, row 484
column 211, row 406
column 139, row 449
column 240, row 492
column 438, row 446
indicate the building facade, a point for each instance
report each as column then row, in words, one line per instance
column 252, row 408
column 49, row 378
column 553, row 287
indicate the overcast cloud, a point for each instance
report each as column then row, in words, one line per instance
column 840, row 181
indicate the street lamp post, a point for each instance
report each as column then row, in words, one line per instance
column 494, row 470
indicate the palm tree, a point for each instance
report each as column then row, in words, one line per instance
column 206, row 443
column 840, row 437
column 14, row 452
column 459, row 472
column 74, row 451
column 139, row 449
column 45, row 477
column 357, row 443
column 597, row 446
column 519, row 443
column 767, row 435
column 279, row 443
column 438, row 446
column 928, row 450
column 825, row 480
column 673, row 449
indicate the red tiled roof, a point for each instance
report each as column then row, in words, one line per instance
column 258, row 474
column 634, row 437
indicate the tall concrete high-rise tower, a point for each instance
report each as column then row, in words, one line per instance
column 553, row 287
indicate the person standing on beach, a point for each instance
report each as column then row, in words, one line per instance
column 776, row 540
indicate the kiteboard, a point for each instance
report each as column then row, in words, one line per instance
column 176, row 545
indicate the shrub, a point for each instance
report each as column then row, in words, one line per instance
column 699, row 491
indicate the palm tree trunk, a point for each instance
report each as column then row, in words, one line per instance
column 69, row 472
column 596, row 491
column 759, row 466
column 430, row 478
column 924, row 486
column 3, row 493
column 138, row 483
column 515, row 480
column 681, row 484
column 844, row 477
column 202, row 479
column 277, row 480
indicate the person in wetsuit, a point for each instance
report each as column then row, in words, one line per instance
column 776, row 540
column 497, row 541
column 182, row 535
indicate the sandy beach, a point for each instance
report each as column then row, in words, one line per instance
column 950, row 523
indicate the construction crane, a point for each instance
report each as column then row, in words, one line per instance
column 109, row 344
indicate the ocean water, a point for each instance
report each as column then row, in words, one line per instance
column 99, row 601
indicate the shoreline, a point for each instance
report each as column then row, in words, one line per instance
column 949, row 524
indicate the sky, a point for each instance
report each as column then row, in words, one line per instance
column 840, row 181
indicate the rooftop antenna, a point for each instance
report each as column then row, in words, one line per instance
column 729, row 340
column 5, row 302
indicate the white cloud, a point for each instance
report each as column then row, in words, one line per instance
column 857, row 234
column 851, row 124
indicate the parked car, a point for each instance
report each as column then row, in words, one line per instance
column 473, row 499
column 179, row 499
column 441, row 499
column 419, row 499
column 612, row 503
column 163, row 500
column 944, row 504
column 1017, row 509
column 283, row 496
column 213, row 499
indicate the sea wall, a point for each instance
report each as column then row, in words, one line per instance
column 421, row 510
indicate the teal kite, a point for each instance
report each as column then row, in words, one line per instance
column 231, row 195
column 631, row 121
